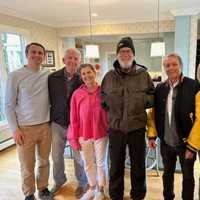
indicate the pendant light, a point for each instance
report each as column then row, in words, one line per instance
column 158, row 48
column 92, row 50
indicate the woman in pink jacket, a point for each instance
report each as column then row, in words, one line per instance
column 88, row 131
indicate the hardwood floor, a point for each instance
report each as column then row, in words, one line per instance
column 10, row 184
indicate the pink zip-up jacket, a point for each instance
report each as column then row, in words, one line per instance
column 87, row 118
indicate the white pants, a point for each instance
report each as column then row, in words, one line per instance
column 93, row 153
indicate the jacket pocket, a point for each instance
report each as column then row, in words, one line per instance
column 115, row 101
column 136, row 102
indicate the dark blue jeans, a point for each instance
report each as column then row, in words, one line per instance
column 117, row 146
column 169, row 157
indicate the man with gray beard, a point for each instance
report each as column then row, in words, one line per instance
column 127, row 90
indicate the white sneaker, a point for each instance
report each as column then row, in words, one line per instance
column 90, row 194
column 99, row 195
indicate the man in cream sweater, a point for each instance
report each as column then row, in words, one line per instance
column 27, row 111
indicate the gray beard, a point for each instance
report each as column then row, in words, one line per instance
column 127, row 65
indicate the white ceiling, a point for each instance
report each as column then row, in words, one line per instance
column 59, row 13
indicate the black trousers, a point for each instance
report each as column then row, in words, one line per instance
column 137, row 147
column 169, row 156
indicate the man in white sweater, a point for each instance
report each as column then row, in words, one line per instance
column 27, row 112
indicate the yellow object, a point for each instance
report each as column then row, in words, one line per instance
column 151, row 127
column 194, row 136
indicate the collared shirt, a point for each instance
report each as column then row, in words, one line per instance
column 69, row 82
column 170, row 99
column 68, row 76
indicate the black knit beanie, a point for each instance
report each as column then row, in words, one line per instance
column 126, row 42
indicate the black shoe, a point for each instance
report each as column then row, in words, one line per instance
column 30, row 197
column 45, row 194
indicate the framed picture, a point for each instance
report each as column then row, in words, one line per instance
column 50, row 59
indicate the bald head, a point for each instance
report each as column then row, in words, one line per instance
column 72, row 60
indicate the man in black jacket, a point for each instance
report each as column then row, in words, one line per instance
column 62, row 84
column 175, row 119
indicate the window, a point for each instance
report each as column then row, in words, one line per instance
column 110, row 58
column 11, row 58
column 1, row 103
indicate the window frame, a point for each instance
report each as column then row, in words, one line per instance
column 24, row 37
column 109, row 53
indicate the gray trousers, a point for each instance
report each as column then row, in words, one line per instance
column 59, row 140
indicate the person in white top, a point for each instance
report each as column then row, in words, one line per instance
column 175, row 119
column 27, row 111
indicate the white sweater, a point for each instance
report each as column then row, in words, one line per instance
column 27, row 98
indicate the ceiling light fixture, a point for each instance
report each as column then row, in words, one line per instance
column 158, row 48
column 92, row 50
column 95, row 15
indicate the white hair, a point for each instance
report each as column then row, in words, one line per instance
column 125, row 65
column 74, row 50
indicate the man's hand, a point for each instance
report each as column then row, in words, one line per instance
column 152, row 144
column 189, row 154
column 19, row 137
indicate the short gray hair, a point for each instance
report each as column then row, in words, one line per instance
column 73, row 50
column 175, row 55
